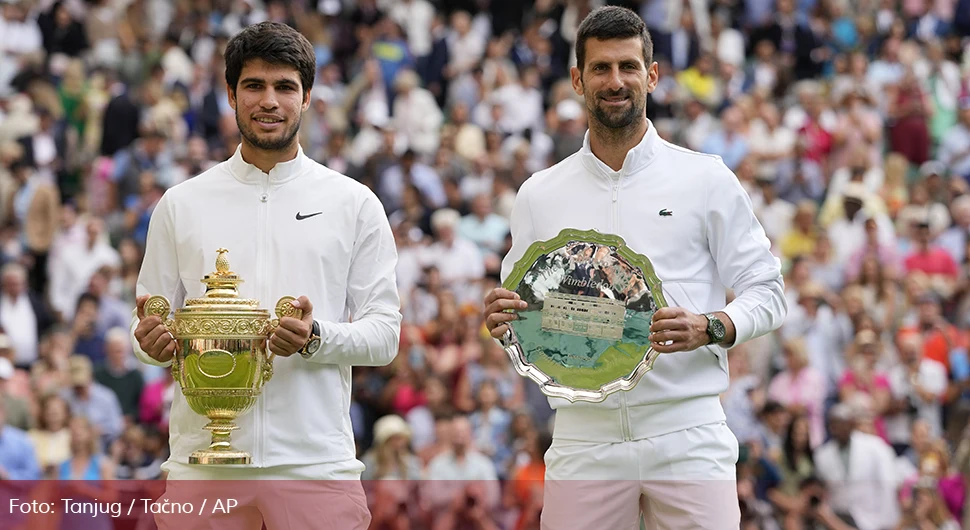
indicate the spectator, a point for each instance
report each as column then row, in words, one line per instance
column 23, row 315
column 486, row 229
column 416, row 114
column 927, row 510
column 932, row 260
column 94, row 471
column 88, row 339
column 796, row 465
column 908, row 111
column 395, row 179
column 918, row 386
column 422, row 419
column 112, row 311
column 78, row 265
column 34, row 209
column 51, row 437
column 857, row 468
column 17, row 413
column 528, row 480
column 461, row 472
column 863, row 386
column 94, row 403
column 775, row 214
column 140, row 455
column 390, row 457
column 730, row 143
column 490, row 427
column 801, row 389
column 156, row 402
column 119, row 372
column 18, row 461
column 955, row 147
column 456, row 258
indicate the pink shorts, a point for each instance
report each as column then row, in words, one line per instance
column 681, row 480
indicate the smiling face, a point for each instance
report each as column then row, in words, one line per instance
column 269, row 101
column 615, row 81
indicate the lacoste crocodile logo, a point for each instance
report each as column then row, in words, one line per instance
column 666, row 213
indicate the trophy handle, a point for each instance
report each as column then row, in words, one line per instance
column 284, row 308
column 159, row 306
column 176, row 368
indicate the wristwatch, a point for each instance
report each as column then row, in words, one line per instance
column 715, row 329
column 313, row 344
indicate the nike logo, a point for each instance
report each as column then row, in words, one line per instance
column 666, row 213
column 300, row 217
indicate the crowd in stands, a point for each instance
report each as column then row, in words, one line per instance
column 847, row 122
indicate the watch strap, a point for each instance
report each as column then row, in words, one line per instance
column 314, row 337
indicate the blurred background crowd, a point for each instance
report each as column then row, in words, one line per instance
column 847, row 122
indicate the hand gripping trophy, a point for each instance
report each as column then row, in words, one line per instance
column 222, row 359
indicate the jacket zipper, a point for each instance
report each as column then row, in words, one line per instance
column 261, row 220
column 615, row 229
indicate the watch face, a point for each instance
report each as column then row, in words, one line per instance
column 719, row 329
column 314, row 345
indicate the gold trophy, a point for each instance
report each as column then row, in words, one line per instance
column 222, row 358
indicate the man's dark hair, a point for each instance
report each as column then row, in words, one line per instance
column 612, row 22
column 274, row 43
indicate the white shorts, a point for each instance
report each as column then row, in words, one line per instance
column 681, row 480
column 283, row 497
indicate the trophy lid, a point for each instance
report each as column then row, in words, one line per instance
column 221, row 290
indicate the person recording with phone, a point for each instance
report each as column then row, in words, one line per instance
column 816, row 512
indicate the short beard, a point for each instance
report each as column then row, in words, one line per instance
column 280, row 144
column 616, row 125
column 621, row 121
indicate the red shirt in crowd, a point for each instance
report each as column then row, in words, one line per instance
column 933, row 261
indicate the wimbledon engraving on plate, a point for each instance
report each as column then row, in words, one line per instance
column 585, row 316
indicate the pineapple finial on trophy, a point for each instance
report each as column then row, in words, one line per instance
column 222, row 262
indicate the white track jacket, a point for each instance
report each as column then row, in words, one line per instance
column 303, row 229
column 710, row 240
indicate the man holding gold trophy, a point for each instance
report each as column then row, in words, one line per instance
column 262, row 397
column 614, row 300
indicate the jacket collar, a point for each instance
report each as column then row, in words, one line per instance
column 281, row 172
column 636, row 159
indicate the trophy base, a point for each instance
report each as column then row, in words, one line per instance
column 220, row 451
column 208, row 457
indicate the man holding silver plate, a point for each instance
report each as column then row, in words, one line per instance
column 622, row 253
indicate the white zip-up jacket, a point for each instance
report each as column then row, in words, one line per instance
column 710, row 239
column 342, row 259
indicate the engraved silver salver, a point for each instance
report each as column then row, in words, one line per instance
column 585, row 333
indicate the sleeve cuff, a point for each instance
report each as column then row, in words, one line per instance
column 743, row 324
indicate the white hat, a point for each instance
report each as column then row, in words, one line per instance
column 445, row 217
column 329, row 7
column 855, row 190
column 842, row 411
column 376, row 114
column 389, row 426
column 932, row 167
column 569, row 109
